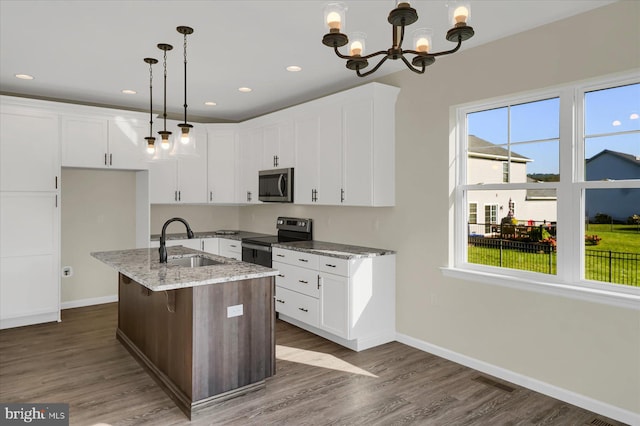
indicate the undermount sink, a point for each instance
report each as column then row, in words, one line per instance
column 192, row 261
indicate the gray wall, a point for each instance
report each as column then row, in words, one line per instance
column 587, row 348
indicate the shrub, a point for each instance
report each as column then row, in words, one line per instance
column 602, row 218
column 633, row 220
column 592, row 240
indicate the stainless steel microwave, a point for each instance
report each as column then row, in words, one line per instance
column 276, row 186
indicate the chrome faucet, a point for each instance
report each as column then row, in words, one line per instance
column 163, row 237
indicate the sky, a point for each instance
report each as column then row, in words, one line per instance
column 615, row 110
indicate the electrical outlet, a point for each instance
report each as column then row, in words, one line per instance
column 67, row 271
column 234, row 311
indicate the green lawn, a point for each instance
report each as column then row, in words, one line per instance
column 616, row 238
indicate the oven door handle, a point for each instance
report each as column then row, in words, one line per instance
column 256, row 247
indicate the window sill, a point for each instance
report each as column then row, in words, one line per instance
column 622, row 300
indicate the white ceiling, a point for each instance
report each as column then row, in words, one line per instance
column 88, row 51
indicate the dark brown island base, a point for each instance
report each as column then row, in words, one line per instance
column 205, row 334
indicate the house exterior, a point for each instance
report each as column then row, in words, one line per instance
column 490, row 163
column 617, row 203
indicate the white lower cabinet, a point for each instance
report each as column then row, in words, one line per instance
column 230, row 248
column 348, row 301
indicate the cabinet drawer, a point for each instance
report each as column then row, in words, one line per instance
column 298, row 306
column 298, row 279
column 298, row 258
column 333, row 265
column 232, row 246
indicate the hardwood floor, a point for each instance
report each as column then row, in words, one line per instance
column 79, row 361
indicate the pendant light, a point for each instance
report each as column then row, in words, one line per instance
column 184, row 145
column 163, row 151
column 151, row 148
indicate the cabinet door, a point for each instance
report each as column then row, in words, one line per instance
column 192, row 172
column 278, row 145
column 127, row 144
column 334, row 302
column 329, row 156
column 29, row 254
column 162, row 182
column 357, row 144
column 306, row 134
column 29, row 151
column 250, row 162
column 210, row 245
column 84, row 142
column 222, row 165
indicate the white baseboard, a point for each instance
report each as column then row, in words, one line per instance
column 576, row 399
column 31, row 319
column 89, row 302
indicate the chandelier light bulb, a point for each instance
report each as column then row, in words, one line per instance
column 165, row 143
column 422, row 45
column 356, row 48
column 460, row 15
column 151, row 149
column 333, row 20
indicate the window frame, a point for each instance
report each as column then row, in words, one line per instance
column 570, row 192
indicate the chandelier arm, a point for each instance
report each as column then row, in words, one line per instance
column 381, row 52
column 446, row 52
column 411, row 67
column 372, row 70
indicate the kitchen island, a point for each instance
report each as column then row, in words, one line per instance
column 205, row 333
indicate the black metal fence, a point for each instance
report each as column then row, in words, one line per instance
column 613, row 267
column 600, row 265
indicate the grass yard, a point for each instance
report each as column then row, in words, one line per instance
column 616, row 268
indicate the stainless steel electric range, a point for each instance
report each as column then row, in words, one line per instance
column 258, row 249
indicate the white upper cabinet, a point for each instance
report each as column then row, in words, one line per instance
column 250, row 148
column 96, row 141
column 181, row 180
column 29, row 150
column 318, row 173
column 278, row 147
column 345, row 148
column 127, row 143
column 222, row 163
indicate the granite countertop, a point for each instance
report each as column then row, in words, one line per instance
column 144, row 267
column 239, row 235
column 342, row 251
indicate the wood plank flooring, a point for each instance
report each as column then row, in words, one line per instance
column 79, row 361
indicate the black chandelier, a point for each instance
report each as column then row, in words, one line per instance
column 399, row 18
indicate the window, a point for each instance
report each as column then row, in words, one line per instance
column 473, row 213
column 570, row 160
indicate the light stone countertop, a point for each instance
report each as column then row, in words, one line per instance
column 144, row 267
column 238, row 236
column 341, row 251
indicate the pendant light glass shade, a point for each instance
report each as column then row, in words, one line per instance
column 150, row 141
column 163, row 145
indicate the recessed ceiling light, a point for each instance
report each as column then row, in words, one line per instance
column 129, row 92
column 245, row 89
column 209, row 103
column 616, row 123
column 24, row 76
column 294, row 68
column 634, row 116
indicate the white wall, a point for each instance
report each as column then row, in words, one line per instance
column 582, row 347
column 98, row 213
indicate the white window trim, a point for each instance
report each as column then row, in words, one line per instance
column 569, row 282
